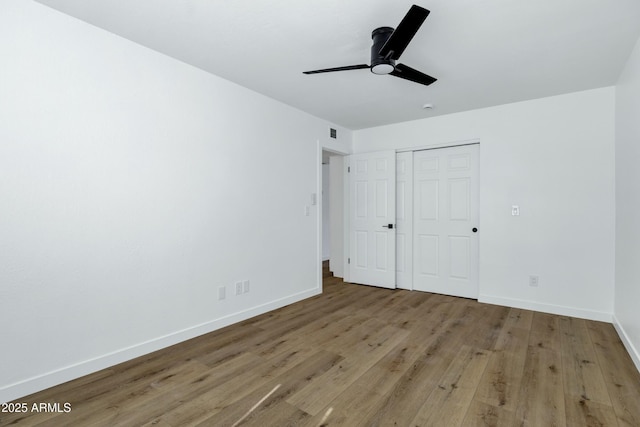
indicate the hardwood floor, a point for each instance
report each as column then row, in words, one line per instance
column 363, row 356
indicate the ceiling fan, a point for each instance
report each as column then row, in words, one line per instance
column 388, row 45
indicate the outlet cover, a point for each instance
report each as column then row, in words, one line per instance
column 222, row 293
column 238, row 288
column 245, row 286
column 533, row 281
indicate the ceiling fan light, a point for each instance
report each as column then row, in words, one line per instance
column 382, row 68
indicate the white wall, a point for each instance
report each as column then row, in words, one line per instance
column 627, row 291
column 554, row 157
column 134, row 186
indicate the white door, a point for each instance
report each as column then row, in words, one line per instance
column 372, row 238
column 446, row 225
column 404, row 220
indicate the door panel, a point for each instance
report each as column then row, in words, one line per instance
column 382, row 241
column 361, row 246
column 459, row 199
column 428, row 254
column 459, row 257
column 381, row 199
column 429, row 199
column 445, row 212
column 372, row 180
column 404, row 220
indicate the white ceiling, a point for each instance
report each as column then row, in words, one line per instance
column 483, row 52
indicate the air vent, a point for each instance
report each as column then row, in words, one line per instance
column 333, row 133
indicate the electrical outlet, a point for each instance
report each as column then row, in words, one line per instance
column 222, row 293
column 245, row 286
column 515, row 210
column 238, row 288
column 533, row 281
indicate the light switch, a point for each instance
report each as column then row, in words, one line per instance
column 307, row 211
column 515, row 210
column 314, row 199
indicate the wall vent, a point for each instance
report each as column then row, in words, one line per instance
column 333, row 133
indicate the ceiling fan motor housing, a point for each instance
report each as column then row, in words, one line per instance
column 388, row 45
column 380, row 64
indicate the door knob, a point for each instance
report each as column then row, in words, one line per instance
column 475, row 230
column 390, row 226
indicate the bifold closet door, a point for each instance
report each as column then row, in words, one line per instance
column 445, row 221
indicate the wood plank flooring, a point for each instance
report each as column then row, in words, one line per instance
column 363, row 356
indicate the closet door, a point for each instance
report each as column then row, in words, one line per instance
column 404, row 220
column 445, row 240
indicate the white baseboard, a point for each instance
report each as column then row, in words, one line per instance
column 631, row 349
column 31, row 385
column 548, row 308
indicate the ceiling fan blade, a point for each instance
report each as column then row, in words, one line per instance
column 330, row 70
column 400, row 38
column 408, row 73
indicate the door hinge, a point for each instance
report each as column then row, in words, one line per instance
column 348, row 169
column 348, row 260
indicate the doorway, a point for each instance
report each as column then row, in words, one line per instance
column 331, row 220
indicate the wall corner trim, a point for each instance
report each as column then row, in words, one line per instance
column 633, row 352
